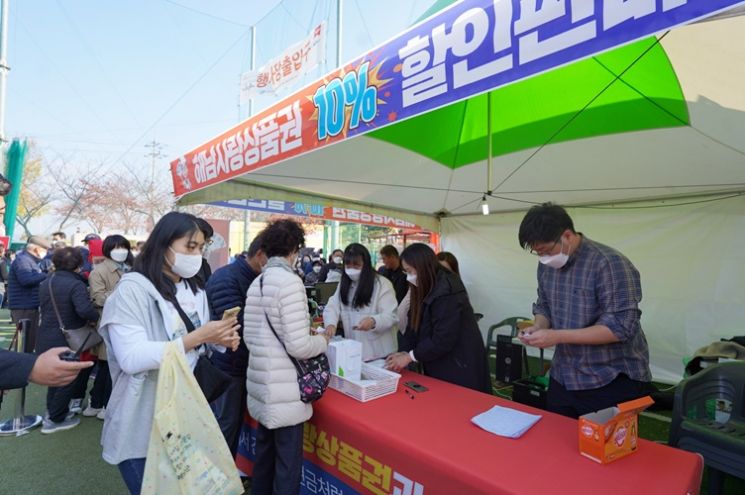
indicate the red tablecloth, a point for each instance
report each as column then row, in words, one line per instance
column 428, row 445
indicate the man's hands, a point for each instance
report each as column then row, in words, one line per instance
column 397, row 361
column 539, row 337
column 50, row 370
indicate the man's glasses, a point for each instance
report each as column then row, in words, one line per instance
column 544, row 252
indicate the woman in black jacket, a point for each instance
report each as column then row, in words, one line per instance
column 442, row 333
column 75, row 310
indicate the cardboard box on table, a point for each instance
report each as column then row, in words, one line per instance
column 611, row 433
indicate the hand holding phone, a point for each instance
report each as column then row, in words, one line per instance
column 231, row 313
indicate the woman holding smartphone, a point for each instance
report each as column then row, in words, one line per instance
column 147, row 310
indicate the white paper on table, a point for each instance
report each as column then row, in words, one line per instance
column 505, row 422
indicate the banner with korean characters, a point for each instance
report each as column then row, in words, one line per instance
column 469, row 48
column 309, row 210
column 334, row 464
column 295, row 61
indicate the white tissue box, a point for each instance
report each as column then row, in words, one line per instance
column 345, row 358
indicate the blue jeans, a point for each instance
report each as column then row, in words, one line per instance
column 133, row 470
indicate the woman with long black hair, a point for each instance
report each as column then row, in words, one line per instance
column 365, row 301
column 150, row 306
column 442, row 332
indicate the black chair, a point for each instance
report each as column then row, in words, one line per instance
column 491, row 335
column 709, row 418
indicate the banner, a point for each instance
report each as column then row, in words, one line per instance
column 316, row 211
column 295, row 61
column 467, row 49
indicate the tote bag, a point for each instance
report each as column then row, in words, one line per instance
column 187, row 453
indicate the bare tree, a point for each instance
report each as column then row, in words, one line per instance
column 36, row 193
column 72, row 188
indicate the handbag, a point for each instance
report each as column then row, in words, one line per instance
column 79, row 339
column 313, row 374
column 213, row 381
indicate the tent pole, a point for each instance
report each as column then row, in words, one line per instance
column 489, row 143
column 246, row 213
column 338, row 32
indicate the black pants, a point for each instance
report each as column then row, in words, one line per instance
column 575, row 403
column 81, row 384
column 58, row 398
column 228, row 409
column 27, row 314
column 279, row 461
column 101, row 390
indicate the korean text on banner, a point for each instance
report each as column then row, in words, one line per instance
column 469, row 48
column 295, row 61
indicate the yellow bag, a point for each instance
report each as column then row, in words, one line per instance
column 187, row 453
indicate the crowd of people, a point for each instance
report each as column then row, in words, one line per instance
column 414, row 312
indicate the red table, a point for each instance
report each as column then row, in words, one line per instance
column 428, row 445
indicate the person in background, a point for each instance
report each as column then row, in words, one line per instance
column 117, row 261
column 63, row 298
column 366, row 304
column 24, row 279
column 3, row 274
column 17, row 369
column 311, row 278
column 85, row 251
column 333, row 268
column 149, row 308
column 393, row 271
column 449, row 261
column 276, row 302
column 226, row 289
column 59, row 237
column 205, row 272
column 307, row 265
column 443, row 334
column 588, row 309
column 138, row 248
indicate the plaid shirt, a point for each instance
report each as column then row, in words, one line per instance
column 597, row 286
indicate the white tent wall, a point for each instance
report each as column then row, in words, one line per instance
column 691, row 259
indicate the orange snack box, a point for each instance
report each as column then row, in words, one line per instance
column 612, row 433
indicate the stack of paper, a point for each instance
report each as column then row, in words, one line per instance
column 505, row 422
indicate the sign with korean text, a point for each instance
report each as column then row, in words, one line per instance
column 295, row 61
column 317, row 211
column 467, row 49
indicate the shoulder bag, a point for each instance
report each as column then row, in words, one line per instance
column 75, row 337
column 213, row 381
column 313, row 374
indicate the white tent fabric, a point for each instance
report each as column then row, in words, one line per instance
column 690, row 258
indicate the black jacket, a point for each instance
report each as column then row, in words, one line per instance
column 226, row 289
column 74, row 304
column 15, row 368
column 398, row 279
column 448, row 342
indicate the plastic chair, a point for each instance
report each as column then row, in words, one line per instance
column 709, row 418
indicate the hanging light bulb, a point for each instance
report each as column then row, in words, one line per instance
column 484, row 205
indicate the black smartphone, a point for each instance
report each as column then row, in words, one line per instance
column 416, row 387
column 74, row 356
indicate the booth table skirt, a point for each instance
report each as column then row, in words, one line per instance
column 428, row 445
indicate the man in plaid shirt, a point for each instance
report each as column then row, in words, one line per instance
column 588, row 309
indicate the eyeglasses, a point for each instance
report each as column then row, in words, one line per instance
column 544, row 252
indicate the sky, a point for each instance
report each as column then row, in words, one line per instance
column 94, row 81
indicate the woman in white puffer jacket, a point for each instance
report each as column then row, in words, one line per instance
column 273, row 394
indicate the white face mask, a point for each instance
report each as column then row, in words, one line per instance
column 119, row 255
column 353, row 273
column 317, row 269
column 338, row 260
column 41, row 254
column 557, row 260
column 186, row 265
column 411, row 278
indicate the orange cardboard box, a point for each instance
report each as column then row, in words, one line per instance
column 612, row 433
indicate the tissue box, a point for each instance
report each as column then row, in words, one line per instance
column 345, row 358
column 611, row 433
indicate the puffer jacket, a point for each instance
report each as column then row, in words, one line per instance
column 23, row 281
column 273, row 395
